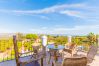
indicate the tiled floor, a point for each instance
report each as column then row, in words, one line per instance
column 13, row 63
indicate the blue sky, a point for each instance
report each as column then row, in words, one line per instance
column 71, row 17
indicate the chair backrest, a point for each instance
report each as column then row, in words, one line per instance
column 72, row 46
column 35, row 48
column 91, row 53
column 24, row 62
column 82, row 61
column 67, row 50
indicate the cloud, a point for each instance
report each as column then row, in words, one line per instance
column 76, row 30
column 52, row 9
column 59, row 9
column 55, row 8
column 79, row 10
column 72, row 13
column 66, row 9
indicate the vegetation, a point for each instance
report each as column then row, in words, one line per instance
column 58, row 39
column 61, row 40
column 5, row 44
column 91, row 38
column 31, row 36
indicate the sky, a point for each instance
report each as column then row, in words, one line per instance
column 70, row 17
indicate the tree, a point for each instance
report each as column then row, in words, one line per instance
column 20, row 36
column 50, row 38
column 60, row 40
column 32, row 36
column 91, row 38
column 75, row 40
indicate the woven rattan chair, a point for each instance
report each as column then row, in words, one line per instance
column 72, row 61
column 51, row 54
column 24, row 61
column 69, row 50
column 35, row 50
column 90, row 54
column 82, row 61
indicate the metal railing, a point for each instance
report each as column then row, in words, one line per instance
column 7, row 48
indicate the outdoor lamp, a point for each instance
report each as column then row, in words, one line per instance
column 44, row 40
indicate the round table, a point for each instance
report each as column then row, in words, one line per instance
column 55, row 49
column 52, row 46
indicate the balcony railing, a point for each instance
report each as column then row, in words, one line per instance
column 7, row 48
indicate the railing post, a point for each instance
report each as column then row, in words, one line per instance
column 16, row 50
column 41, row 61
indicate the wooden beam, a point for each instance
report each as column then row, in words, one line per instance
column 52, row 64
column 16, row 50
column 41, row 61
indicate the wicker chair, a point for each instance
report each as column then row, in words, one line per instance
column 90, row 54
column 24, row 61
column 70, row 50
column 72, row 61
column 82, row 61
column 51, row 54
column 35, row 50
